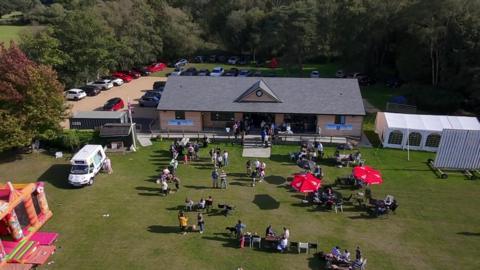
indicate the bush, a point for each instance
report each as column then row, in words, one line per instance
column 72, row 140
column 435, row 100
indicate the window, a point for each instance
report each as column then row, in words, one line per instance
column 433, row 140
column 339, row 119
column 414, row 139
column 395, row 137
column 222, row 116
column 179, row 115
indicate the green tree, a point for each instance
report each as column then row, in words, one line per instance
column 41, row 47
column 31, row 100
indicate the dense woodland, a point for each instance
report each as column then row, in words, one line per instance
column 434, row 44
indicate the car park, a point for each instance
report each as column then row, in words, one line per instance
column 231, row 72
column 153, row 93
column 114, row 104
column 199, row 59
column 315, row 74
column 159, row 85
column 244, row 73
column 91, row 90
column 75, row 94
column 132, row 73
column 103, row 84
column 257, row 73
column 125, row 77
column 217, row 72
column 142, row 70
column 181, row 62
column 212, row 58
column 116, row 81
column 340, row 74
column 156, row 67
column 149, row 101
column 203, row 72
column 233, row 60
column 190, row 72
column 221, row 59
column 177, row 72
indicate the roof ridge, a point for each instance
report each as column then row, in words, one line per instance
column 259, row 85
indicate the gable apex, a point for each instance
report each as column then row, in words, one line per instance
column 259, row 92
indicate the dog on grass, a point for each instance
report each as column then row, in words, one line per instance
column 232, row 230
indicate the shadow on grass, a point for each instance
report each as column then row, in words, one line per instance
column 469, row 233
column 10, row 156
column 315, row 263
column 363, row 216
column 151, row 191
column 239, row 184
column 196, row 187
column 163, row 229
column 57, row 175
column 282, row 158
column 227, row 242
column 266, row 202
column 275, row 180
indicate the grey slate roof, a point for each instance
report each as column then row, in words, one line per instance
column 99, row 114
column 115, row 130
column 298, row 95
column 259, row 85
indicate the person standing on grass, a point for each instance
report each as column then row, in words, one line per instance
column 320, row 150
column 219, row 159
column 200, row 222
column 254, row 177
column 176, row 180
column 164, row 187
column 214, row 157
column 263, row 165
column 223, row 180
column 225, row 158
column 215, row 176
column 183, row 222
column 248, row 167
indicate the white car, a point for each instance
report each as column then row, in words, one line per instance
column 181, row 63
column 103, row 84
column 315, row 74
column 177, row 72
column 233, row 60
column 75, row 94
column 116, row 81
column 217, row 72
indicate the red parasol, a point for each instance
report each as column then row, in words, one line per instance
column 367, row 174
column 306, row 183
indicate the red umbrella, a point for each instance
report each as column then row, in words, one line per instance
column 367, row 174
column 306, row 183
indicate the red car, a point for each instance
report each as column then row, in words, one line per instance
column 114, row 104
column 155, row 67
column 125, row 77
column 132, row 73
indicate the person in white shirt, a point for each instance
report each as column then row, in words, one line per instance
column 164, row 188
column 320, row 150
column 345, row 257
column 225, row 158
column 282, row 246
column 286, row 233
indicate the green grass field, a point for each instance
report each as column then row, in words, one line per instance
column 326, row 70
column 435, row 227
column 10, row 32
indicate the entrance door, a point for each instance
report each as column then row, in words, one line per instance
column 255, row 119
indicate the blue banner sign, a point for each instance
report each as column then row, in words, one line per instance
column 338, row 127
column 176, row 122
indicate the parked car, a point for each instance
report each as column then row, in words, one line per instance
column 394, row 82
column 203, row 72
column 116, row 81
column 199, row 59
column 233, row 60
column 159, row 85
column 132, row 73
column 190, row 72
column 156, row 67
column 212, row 58
column 365, row 80
column 75, row 94
column 315, row 74
column 125, row 77
column 153, row 93
column 177, row 72
column 217, row 72
column 149, row 101
column 231, row 73
column 114, row 104
column 221, row 59
column 142, row 70
column 243, row 60
column 181, row 62
column 340, row 74
column 103, row 84
column 257, row 73
column 244, row 73
column 91, row 90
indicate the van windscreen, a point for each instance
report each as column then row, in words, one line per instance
column 79, row 169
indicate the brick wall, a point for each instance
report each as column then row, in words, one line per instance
column 355, row 121
column 196, row 118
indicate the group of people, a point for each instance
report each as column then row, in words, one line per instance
column 310, row 151
column 256, row 170
column 219, row 178
column 219, row 158
column 282, row 239
column 337, row 259
column 183, row 222
column 165, row 178
column 192, row 149
column 203, row 204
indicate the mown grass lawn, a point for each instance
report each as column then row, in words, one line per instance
column 10, row 32
column 326, row 70
column 435, row 227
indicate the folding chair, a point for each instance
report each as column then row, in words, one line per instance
column 302, row 246
column 338, row 205
column 254, row 240
column 313, row 246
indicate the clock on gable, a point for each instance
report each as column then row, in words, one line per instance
column 259, row 93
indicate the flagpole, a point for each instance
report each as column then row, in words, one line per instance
column 131, row 125
column 408, row 144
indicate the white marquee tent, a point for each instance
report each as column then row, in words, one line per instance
column 417, row 131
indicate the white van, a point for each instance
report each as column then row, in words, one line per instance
column 86, row 163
